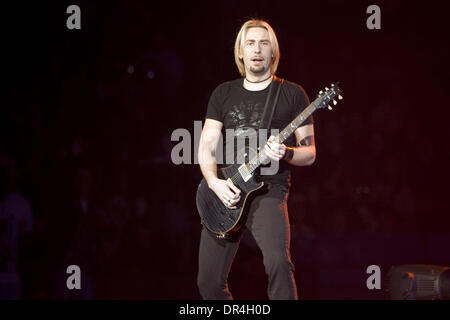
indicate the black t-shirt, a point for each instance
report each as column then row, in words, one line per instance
column 241, row 110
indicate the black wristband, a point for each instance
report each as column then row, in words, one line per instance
column 289, row 154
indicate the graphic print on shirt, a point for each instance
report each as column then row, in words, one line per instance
column 244, row 116
column 244, row 119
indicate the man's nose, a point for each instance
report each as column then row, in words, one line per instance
column 257, row 47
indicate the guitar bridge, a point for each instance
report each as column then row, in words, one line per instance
column 244, row 172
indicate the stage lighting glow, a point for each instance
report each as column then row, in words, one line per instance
column 151, row 75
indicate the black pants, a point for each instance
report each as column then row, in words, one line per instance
column 269, row 224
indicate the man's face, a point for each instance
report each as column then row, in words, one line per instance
column 257, row 51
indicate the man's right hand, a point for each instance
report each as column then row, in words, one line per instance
column 226, row 191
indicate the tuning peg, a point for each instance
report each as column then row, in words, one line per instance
column 320, row 92
column 340, row 97
column 334, row 102
column 329, row 107
column 332, row 84
column 326, row 89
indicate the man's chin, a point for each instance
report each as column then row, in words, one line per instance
column 257, row 71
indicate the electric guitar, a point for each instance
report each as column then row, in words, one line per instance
column 224, row 221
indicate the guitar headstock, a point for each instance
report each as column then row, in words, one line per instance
column 327, row 95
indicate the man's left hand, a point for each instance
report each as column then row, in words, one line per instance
column 274, row 150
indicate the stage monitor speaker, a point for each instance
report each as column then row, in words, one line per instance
column 419, row 282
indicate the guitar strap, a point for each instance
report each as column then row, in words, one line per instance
column 272, row 99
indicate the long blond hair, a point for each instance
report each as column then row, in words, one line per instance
column 255, row 23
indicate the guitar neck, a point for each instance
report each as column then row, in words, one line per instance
column 261, row 156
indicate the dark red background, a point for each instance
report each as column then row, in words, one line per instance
column 375, row 195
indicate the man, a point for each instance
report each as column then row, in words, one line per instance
column 239, row 105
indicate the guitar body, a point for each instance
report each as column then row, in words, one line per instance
column 215, row 216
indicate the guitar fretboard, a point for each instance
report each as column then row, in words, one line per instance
column 261, row 157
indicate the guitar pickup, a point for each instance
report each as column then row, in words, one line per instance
column 244, row 172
